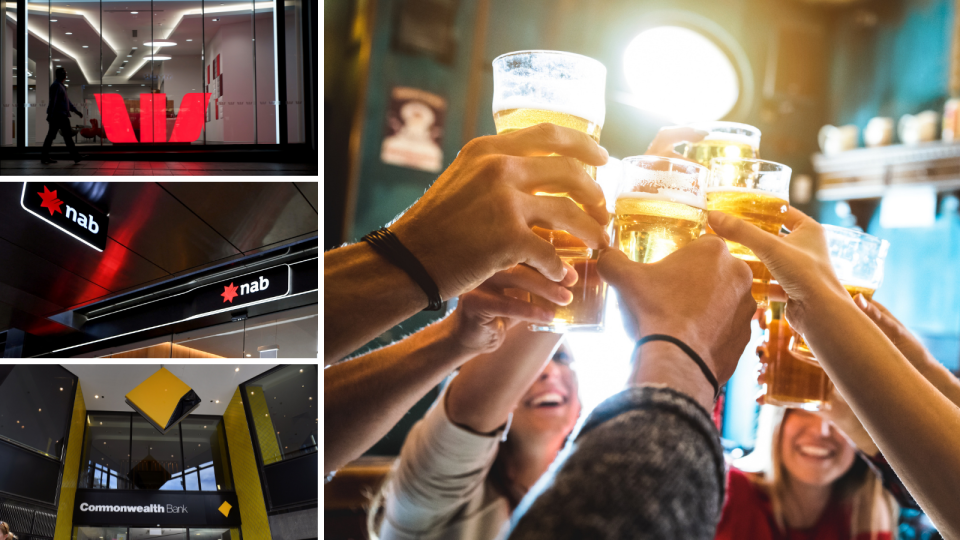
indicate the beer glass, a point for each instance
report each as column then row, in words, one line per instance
column 724, row 139
column 661, row 206
column 857, row 259
column 566, row 89
column 755, row 191
column 791, row 380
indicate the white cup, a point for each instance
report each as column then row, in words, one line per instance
column 915, row 129
column 879, row 131
column 835, row 139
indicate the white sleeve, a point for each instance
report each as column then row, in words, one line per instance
column 442, row 467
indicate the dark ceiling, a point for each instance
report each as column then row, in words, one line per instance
column 156, row 231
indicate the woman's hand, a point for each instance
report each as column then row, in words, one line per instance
column 799, row 261
column 484, row 314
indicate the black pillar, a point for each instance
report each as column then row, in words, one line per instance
column 280, row 41
column 309, row 23
column 22, row 77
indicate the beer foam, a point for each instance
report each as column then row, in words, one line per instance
column 594, row 113
column 740, row 138
column 668, row 195
column 741, row 189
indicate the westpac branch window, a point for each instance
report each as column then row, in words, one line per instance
column 180, row 71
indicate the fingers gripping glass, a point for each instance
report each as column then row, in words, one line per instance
column 757, row 192
column 534, row 87
column 661, row 206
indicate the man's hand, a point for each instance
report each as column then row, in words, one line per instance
column 484, row 314
column 800, row 261
column 669, row 137
column 699, row 294
column 477, row 218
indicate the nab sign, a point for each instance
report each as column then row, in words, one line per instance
column 65, row 211
column 254, row 288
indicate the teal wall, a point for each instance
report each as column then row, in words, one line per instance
column 897, row 67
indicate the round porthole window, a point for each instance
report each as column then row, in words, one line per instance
column 681, row 75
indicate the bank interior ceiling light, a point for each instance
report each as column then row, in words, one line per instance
column 163, row 400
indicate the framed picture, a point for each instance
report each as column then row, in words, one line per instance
column 208, row 73
column 217, row 71
column 414, row 130
column 206, row 105
column 220, row 84
column 217, row 111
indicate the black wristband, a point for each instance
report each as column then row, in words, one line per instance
column 690, row 352
column 387, row 244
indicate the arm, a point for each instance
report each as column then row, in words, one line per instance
column 474, row 221
column 648, row 461
column 364, row 397
column 488, row 388
column 915, row 426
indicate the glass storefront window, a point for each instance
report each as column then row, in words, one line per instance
column 151, row 534
column 100, row 533
column 287, row 334
column 156, row 459
column 214, row 534
column 123, row 451
column 106, row 456
column 283, row 405
column 35, row 406
column 205, row 460
column 156, row 71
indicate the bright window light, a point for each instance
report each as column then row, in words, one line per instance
column 681, row 75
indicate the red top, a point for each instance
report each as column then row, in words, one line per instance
column 747, row 513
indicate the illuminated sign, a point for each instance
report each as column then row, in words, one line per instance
column 65, row 211
column 156, row 508
column 245, row 290
column 153, row 118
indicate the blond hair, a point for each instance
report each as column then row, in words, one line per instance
column 872, row 509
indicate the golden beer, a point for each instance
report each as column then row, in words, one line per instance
column 759, row 208
column 649, row 227
column 586, row 309
column 800, row 346
column 791, row 381
column 703, row 151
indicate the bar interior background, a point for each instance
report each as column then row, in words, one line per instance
column 800, row 65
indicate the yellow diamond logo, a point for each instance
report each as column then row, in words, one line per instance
column 225, row 509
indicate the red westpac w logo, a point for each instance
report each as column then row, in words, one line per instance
column 153, row 118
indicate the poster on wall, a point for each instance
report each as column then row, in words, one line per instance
column 220, row 84
column 208, row 107
column 217, row 71
column 415, row 120
column 208, row 73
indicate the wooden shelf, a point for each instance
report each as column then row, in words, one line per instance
column 867, row 173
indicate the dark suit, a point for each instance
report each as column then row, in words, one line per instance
column 58, row 116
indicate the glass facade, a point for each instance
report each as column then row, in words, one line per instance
column 283, row 405
column 123, row 451
column 157, row 71
column 35, row 406
column 134, row 533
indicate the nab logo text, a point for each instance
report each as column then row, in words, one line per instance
column 53, row 204
column 230, row 291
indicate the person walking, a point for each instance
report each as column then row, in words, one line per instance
column 58, row 116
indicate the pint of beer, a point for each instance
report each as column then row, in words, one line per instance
column 755, row 191
column 566, row 89
column 857, row 259
column 724, row 139
column 660, row 208
column 791, row 380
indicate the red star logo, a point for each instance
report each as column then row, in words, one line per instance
column 229, row 292
column 50, row 200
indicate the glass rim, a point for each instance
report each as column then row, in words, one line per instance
column 675, row 161
column 858, row 235
column 725, row 123
column 779, row 166
column 546, row 52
